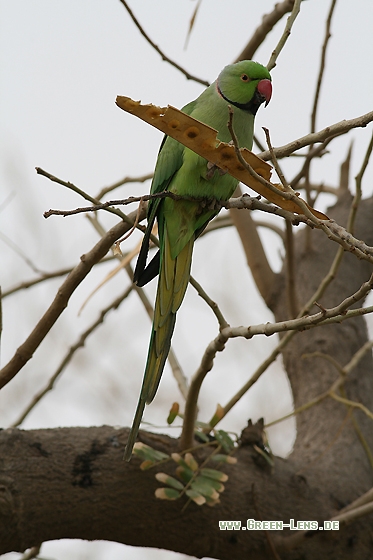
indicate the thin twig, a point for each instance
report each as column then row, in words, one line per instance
column 122, row 182
column 322, row 65
column 316, row 98
column 298, row 537
column 358, row 431
column 212, row 304
column 46, row 276
column 70, row 354
column 121, row 202
column 336, row 314
column 358, row 181
column 354, row 404
column 276, row 165
column 20, row 253
column 191, row 23
column 125, row 263
column 333, row 130
column 190, row 412
column 329, row 227
column 287, row 193
column 82, row 193
column 344, row 372
column 329, row 277
column 248, row 332
column 158, row 50
column 264, row 28
column 291, row 291
column 285, row 36
column 25, row 352
column 318, row 319
column 141, row 210
column 258, row 373
column 365, row 498
column 319, row 151
column 253, row 203
column 290, row 260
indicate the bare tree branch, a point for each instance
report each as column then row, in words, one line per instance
column 79, row 191
column 158, row 50
column 70, row 354
column 25, row 352
column 265, row 27
column 46, row 276
column 290, row 262
column 322, row 65
column 285, row 36
column 307, row 163
column 121, row 182
column 333, row 130
column 358, row 181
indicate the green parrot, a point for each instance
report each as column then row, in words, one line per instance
column 245, row 86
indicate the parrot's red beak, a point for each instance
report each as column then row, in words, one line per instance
column 265, row 89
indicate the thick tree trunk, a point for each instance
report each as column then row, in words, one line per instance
column 72, row 482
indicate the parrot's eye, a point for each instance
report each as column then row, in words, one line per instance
column 245, row 77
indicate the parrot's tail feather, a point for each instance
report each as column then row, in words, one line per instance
column 134, row 430
column 172, row 285
column 141, row 267
column 156, row 362
column 143, row 255
column 149, row 272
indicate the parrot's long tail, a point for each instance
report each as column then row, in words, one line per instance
column 172, row 284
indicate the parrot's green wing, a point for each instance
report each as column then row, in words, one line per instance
column 170, row 159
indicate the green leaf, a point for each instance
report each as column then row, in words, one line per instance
column 191, row 462
column 214, row 474
column 220, row 458
column 170, row 480
column 174, row 411
column 210, row 502
column 218, row 486
column 145, row 465
column 167, row 494
column 205, row 488
column 225, row 440
column 202, row 436
column 184, row 473
column 219, row 413
column 180, row 461
column 148, row 453
column 196, row 497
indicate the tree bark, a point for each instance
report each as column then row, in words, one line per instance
column 72, row 482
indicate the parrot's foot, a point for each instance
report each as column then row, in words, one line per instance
column 211, row 168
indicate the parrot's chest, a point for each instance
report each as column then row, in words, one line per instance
column 198, row 178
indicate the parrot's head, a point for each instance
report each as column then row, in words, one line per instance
column 245, row 85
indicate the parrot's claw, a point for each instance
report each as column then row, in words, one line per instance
column 211, row 168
